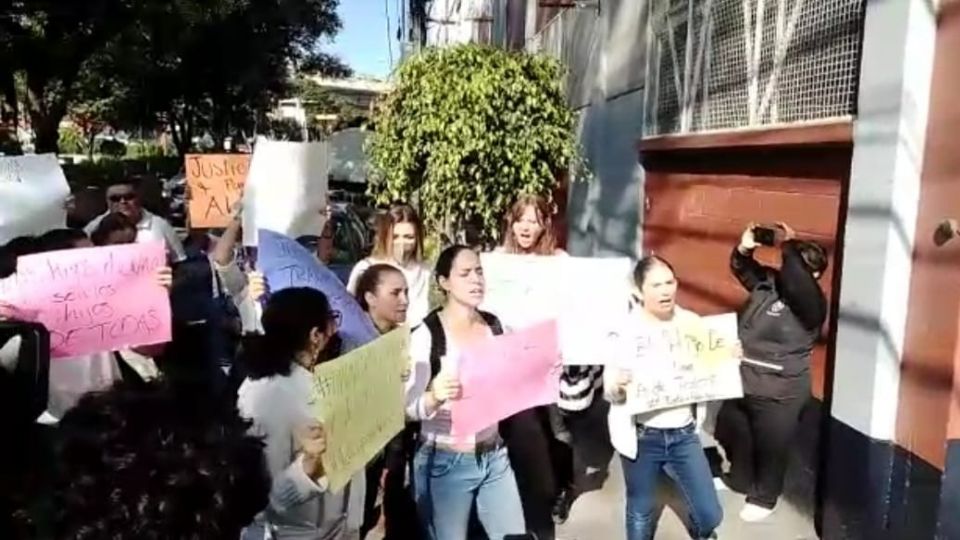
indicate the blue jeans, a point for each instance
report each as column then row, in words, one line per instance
column 678, row 453
column 447, row 484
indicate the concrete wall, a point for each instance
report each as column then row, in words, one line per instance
column 604, row 55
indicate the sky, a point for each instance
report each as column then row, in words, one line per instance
column 364, row 42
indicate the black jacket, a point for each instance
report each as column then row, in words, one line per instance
column 780, row 323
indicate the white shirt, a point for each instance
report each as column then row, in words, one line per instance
column 299, row 508
column 150, row 228
column 418, row 277
column 435, row 427
column 623, row 425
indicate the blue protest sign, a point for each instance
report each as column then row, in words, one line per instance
column 286, row 264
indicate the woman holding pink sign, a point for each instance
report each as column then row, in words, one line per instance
column 454, row 473
column 664, row 440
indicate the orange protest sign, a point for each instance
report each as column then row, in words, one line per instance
column 216, row 184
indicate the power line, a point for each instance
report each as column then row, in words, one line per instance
column 386, row 12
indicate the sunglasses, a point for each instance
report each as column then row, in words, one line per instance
column 124, row 197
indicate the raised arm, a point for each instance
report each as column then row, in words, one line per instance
column 745, row 268
column 799, row 289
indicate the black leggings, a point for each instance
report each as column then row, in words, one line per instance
column 756, row 433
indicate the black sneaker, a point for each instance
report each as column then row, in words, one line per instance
column 561, row 508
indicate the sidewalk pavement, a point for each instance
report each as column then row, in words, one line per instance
column 598, row 515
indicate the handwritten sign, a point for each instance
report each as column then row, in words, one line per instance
column 359, row 399
column 286, row 189
column 505, row 375
column 96, row 299
column 216, row 185
column 524, row 290
column 286, row 264
column 33, row 190
column 682, row 364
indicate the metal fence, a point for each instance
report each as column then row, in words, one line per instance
column 727, row 64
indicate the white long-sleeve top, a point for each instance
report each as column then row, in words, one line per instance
column 418, row 283
column 299, row 508
column 623, row 425
column 435, row 427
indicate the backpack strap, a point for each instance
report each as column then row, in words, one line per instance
column 496, row 327
column 438, row 341
column 438, row 338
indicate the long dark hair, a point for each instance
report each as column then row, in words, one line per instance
column 288, row 318
column 445, row 261
column 644, row 266
column 111, row 223
column 369, row 280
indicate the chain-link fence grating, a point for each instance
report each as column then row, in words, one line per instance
column 725, row 64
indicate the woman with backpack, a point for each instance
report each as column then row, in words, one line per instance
column 452, row 474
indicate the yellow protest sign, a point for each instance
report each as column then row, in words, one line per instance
column 216, row 184
column 359, row 399
column 690, row 362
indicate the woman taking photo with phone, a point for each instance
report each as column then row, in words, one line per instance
column 452, row 474
column 399, row 242
column 779, row 326
column 299, row 332
column 662, row 441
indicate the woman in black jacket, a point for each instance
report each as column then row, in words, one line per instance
column 779, row 327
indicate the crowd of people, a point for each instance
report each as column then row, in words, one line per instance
column 212, row 434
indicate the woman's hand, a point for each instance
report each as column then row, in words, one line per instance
column 313, row 443
column 788, row 232
column 747, row 240
column 236, row 214
column 164, row 277
column 619, row 390
column 256, row 285
column 446, row 387
column 737, row 350
column 405, row 374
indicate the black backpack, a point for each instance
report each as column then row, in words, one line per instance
column 438, row 339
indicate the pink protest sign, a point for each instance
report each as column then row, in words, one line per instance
column 96, row 299
column 505, row 375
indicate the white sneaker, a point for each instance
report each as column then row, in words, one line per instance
column 752, row 513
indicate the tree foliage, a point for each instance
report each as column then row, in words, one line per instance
column 468, row 129
column 193, row 66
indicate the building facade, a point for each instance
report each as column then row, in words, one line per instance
column 836, row 116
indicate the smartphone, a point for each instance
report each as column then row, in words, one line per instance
column 765, row 236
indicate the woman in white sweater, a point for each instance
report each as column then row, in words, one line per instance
column 399, row 243
column 300, row 330
column 665, row 440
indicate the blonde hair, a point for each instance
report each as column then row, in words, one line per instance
column 383, row 241
column 547, row 243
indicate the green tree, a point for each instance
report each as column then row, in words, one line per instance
column 48, row 42
column 198, row 69
column 466, row 130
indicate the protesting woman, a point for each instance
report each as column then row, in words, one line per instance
column 452, row 474
column 300, row 331
column 382, row 294
column 661, row 441
column 399, row 242
column 540, row 440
